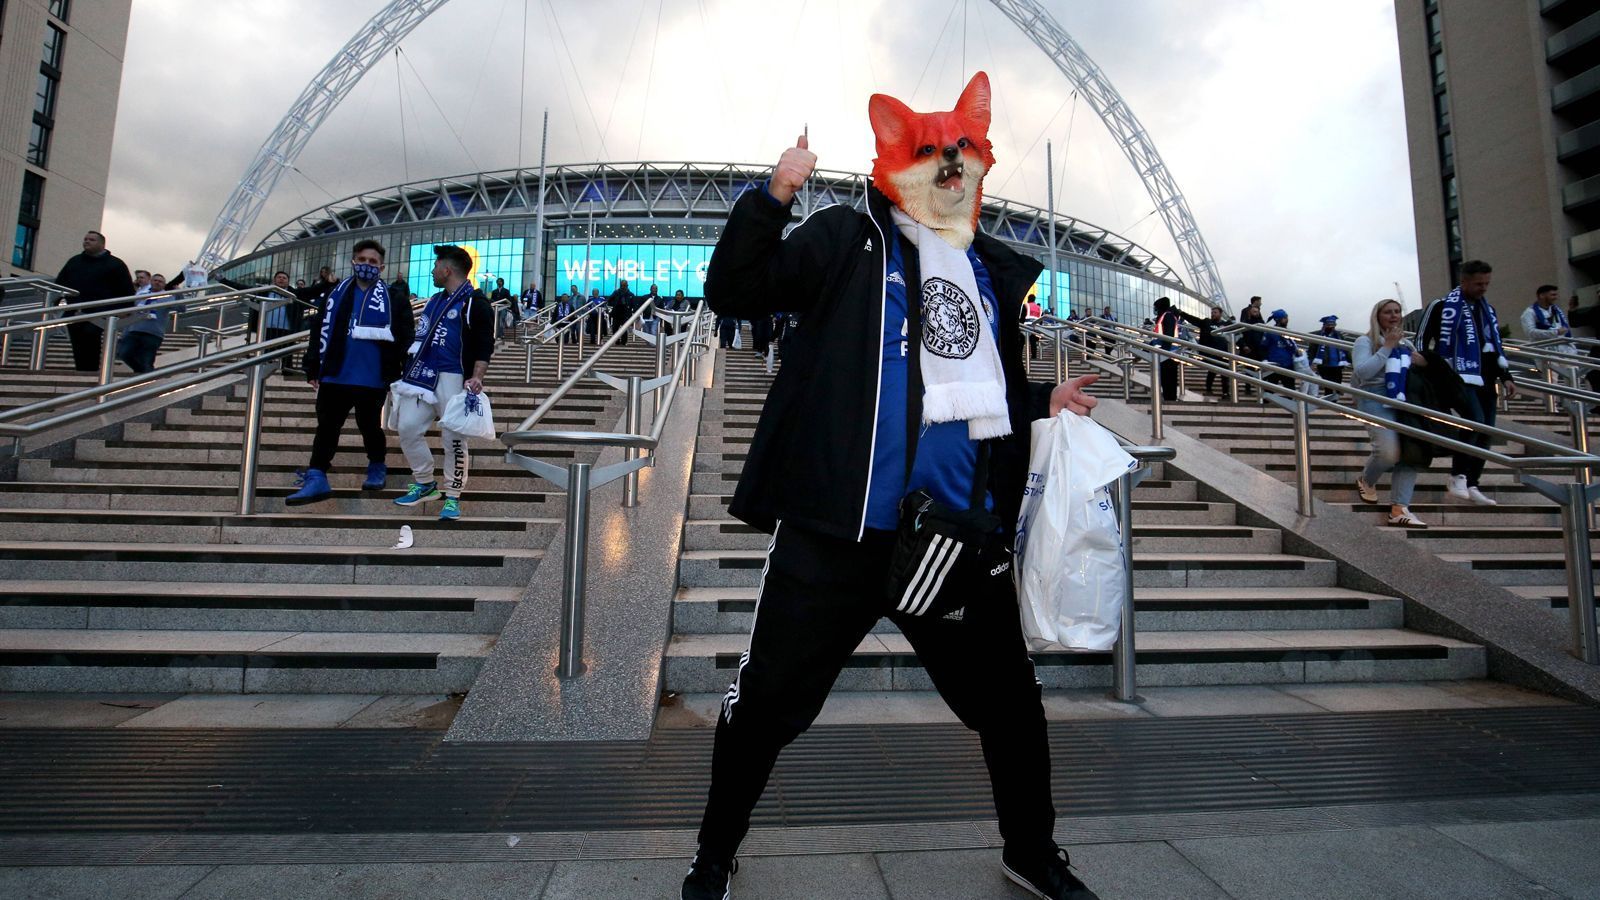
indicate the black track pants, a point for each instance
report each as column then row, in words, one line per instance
column 819, row 598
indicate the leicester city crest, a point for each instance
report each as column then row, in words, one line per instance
column 422, row 323
column 949, row 322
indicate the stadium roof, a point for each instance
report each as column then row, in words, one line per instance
column 658, row 191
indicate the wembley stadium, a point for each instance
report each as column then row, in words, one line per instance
column 655, row 224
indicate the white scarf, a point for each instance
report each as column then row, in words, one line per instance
column 961, row 374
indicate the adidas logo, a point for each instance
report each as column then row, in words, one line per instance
column 869, row 245
column 896, row 278
column 955, row 615
column 1000, row 568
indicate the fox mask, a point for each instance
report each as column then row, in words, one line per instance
column 931, row 165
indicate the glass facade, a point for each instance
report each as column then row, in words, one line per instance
column 595, row 245
column 497, row 258
column 44, row 96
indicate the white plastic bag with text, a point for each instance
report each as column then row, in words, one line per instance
column 1070, row 566
column 468, row 414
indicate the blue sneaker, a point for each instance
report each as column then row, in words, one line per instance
column 451, row 510
column 418, row 493
column 377, row 473
column 313, row 487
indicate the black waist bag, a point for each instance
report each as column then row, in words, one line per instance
column 945, row 558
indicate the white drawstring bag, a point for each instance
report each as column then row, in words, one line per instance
column 1070, row 567
column 469, row 415
column 1302, row 366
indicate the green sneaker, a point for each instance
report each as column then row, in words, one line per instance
column 418, row 493
column 451, row 510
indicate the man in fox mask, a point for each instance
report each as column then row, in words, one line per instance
column 874, row 386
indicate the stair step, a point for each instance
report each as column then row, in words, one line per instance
column 79, row 660
column 109, row 561
column 885, row 662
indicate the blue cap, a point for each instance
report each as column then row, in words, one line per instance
column 1330, row 320
column 1279, row 314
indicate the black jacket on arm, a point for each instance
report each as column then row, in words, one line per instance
column 810, row 461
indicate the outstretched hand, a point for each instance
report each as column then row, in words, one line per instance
column 1070, row 395
column 793, row 168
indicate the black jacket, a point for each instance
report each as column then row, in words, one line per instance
column 96, row 277
column 811, row 458
column 391, row 354
column 1436, row 386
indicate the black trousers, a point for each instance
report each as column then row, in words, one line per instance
column 88, row 341
column 1331, row 373
column 334, row 403
column 1480, row 402
column 819, row 597
column 1170, row 379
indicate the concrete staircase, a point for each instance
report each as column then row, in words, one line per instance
column 1516, row 544
column 124, row 568
column 1216, row 602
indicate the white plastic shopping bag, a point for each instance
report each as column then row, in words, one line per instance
column 1302, row 366
column 468, row 414
column 1070, row 569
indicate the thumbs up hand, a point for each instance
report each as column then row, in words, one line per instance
column 793, row 168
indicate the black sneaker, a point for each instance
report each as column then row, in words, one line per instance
column 1049, row 877
column 709, row 879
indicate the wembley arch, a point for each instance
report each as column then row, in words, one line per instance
column 389, row 27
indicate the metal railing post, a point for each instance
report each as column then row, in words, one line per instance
column 1124, row 673
column 1127, row 378
column 5, row 343
column 108, row 351
column 1155, row 395
column 222, row 311
column 41, row 342
column 250, row 458
column 661, row 365
column 582, row 329
column 1580, row 574
column 1233, row 368
column 1061, row 355
column 574, row 572
column 635, row 413
column 1550, row 377
column 527, row 372
column 1302, row 457
column 561, row 357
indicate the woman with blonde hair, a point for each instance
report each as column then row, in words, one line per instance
column 1381, row 358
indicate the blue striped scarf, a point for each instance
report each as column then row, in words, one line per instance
column 1395, row 370
column 1541, row 322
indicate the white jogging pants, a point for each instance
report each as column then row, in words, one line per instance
column 413, row 419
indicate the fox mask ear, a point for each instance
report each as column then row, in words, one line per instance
column 974, row 103
column 889, row 118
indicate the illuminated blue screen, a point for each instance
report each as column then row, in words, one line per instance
column 491, row 259
column 602, row 266
column 1041, row 290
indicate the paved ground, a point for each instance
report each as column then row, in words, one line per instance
column 1543, row 859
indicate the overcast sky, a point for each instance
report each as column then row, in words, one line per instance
column 1280, row 120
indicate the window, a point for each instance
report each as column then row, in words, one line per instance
column 28, row 220
column 1453, row 224
column 44, row 96
column 38, row 144
column 54, row 40
column 1441, row 108
column 60, row 8
column 1435, row 30
column 1438, row 71
column 1447, row 153
column 1452, row 196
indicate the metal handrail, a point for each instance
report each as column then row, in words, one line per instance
column 1124, row 673
column 1542, row 359
column 120, row 305
column 1575, row 498
column 576, row 478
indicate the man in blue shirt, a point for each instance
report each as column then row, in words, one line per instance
column 357, row 348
